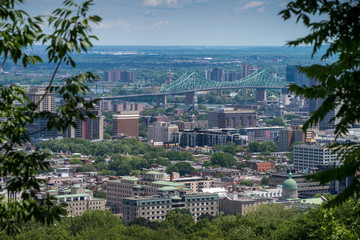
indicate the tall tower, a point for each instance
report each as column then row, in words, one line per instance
column 47, row 103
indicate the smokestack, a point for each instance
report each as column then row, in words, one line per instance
column 172, row 177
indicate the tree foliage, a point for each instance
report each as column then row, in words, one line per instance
column 19, row 32
column 337, row 83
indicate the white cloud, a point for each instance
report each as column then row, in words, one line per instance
column 169, row 3
column 258, row 5
column 160, row 23
column 105, row 24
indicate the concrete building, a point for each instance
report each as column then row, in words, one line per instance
column 127, row 106
column 240, row 206
column 78, row 200
column 261, row 133
column 312, row 156
column 126, row 123
column 37, row 129
column 201, row 138
column 306, row 188
column 229, row 118
column 196, row 183
column 47, row 103
column 128, row 187
column 119, row 75
column 91, row 129
column 155, row 208
column 162, row 132
column 215, row 74
column 289, row 136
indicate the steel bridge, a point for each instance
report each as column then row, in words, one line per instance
column 193, row 82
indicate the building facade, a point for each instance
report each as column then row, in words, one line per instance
column 231, row 118
column 126, row 123
column 162, row 132
column 312, row 156
column 155, row 208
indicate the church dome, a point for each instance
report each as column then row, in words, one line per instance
column 290, row 183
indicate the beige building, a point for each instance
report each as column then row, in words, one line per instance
column 129, row 187
column 78, row 200
column 162, row 132
column 239, row 206
column 48, row 102
column 196, row 183
column 155, row 208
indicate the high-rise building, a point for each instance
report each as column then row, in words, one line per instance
column 126, row 123
column 38, row 129
column 119, row 75
column 162, row 132
column 289, row 136
column 91, row 129
column 315, row 104
column 217, row 74
column 231, row 118
column 47, row 103
column 290, row 73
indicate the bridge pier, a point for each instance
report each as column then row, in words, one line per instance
column 161, row 100
column 261, row 95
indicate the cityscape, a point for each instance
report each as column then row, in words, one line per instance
column 154, row 140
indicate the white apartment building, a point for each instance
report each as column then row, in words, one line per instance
column 311, row 156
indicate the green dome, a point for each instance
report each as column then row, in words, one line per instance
column 290, row 183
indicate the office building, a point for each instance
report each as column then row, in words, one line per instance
column 78, row 200
column 47, row 103
column 126, row 123
column 290, row 73
column 201, row 138
column 312, row 156
column 162, row 132
column 289, row 136
column 91, row 129
column 260, row 134
column 155, row 208
column 128, row 187
column 38, row 129
column 227, row 118
column 197, row 184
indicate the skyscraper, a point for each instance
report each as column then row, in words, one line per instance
column 47, row 103
column 91, row 129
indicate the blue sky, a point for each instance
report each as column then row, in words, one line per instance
column 187, row 22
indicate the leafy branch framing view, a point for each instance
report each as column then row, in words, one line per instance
column 71, row 32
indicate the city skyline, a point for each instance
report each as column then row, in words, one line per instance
column 187, row 22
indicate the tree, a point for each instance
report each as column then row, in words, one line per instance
column 265, row 181
column 18, row 33
column 223, row 159
column 338, row 82
column 181, row 167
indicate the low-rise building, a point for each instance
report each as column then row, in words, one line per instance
column 154, row 208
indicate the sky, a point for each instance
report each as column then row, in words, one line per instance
column 187, row 22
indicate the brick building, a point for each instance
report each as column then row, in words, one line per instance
column 126, row 123
column 231, row 118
